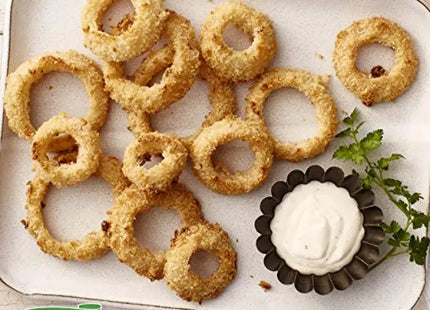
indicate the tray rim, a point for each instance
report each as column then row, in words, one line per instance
column 4, row 68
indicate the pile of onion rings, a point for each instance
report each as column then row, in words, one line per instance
column 137, row 188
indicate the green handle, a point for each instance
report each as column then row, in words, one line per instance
column 90, row 306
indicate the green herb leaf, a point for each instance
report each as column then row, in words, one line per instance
column 343, row 153
column 418, row 249
column 372, row 141
column 350, row 120
column 420, row 220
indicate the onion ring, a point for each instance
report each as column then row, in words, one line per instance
column 315, row 88
column 231, row 65
column 177, row 79
column 19, row 83
column 177, row 271
column 389, row 85
column 95, row 244
column 122, row 216
column 134, row 41
column 89, row 151
column 221, row 94
column 161, row 176
column 217, row 176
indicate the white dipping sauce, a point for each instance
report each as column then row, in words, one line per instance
column 317, row 228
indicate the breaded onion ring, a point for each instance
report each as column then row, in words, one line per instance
column 315, row 88
column 161, row 176
column 95, row 244
column 177, row 79
column 390, row 84
column 89, row 151
column 221, row 94
column 132, row 42
column 121, row 221
column 19, row 83
column 229, row 64
column 217, row 176
column 177, row 271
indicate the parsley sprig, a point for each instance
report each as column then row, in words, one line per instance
column 400, row 239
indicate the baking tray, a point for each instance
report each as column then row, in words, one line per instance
column 304, row 29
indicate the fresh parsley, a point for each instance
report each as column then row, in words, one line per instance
column 399, row 237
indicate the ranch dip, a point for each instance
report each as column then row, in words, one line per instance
column 317, row 228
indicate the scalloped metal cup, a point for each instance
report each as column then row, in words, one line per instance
column 366, row 255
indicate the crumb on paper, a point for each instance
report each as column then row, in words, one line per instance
column 252, row 277
column 266, row 286
column 344, row 112
column 50, row 87
column 24, row 223
column 319, row 56
column 237, row 240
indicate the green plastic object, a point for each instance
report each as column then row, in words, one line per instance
column 80, row 307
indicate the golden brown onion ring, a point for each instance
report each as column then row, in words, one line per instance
column 95, row 244
column 89, row 151
column 161, row 176
column 227, row 63
column 315, row 88
column 221, row 94
column 177, row 271
column 389, row 85
column 217, row 176
column 177, row 79
column 123, row 215
column 140, row 36
column 19, row 83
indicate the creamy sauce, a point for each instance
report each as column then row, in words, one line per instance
column 317, row 228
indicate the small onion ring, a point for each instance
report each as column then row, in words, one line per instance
column 178, row 273
column 19, row 83
column 89, row 151
column 123, row 215
column 161, row 176
column 217, row 176
column 221, row 94
column 134, row 41
column 391, row 84
column 95, row 244
column 231, row 65
column 177, row 79
column 315, row 88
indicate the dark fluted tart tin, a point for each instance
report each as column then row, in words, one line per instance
column 367, row 254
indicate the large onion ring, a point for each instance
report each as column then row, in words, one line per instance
column 315, row 88
column 89, row 151
column 231, row 65
column 161, row 176
column 177, row 271
column 134, row 41
column 217, row 176
column 389, row 85
column 177, row 79
column 95, row 244
column 221, row 94
column 122, row 216
column 19, row 83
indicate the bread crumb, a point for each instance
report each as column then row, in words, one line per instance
column 50, row 87
column 319, row 56
column 237, row 240
column 266, row 286
column 252, row 277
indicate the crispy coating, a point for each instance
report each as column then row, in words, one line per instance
column 373, row 89
column 177, row 79
column 315, row 88
column 140, row 36
column 177, row 271
column 19, row 83
column 216, row 175
column 89, row 151
column 221, row 94
column 121, row 221
column 161, row 176
column 229, row 64
column 96, row 243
